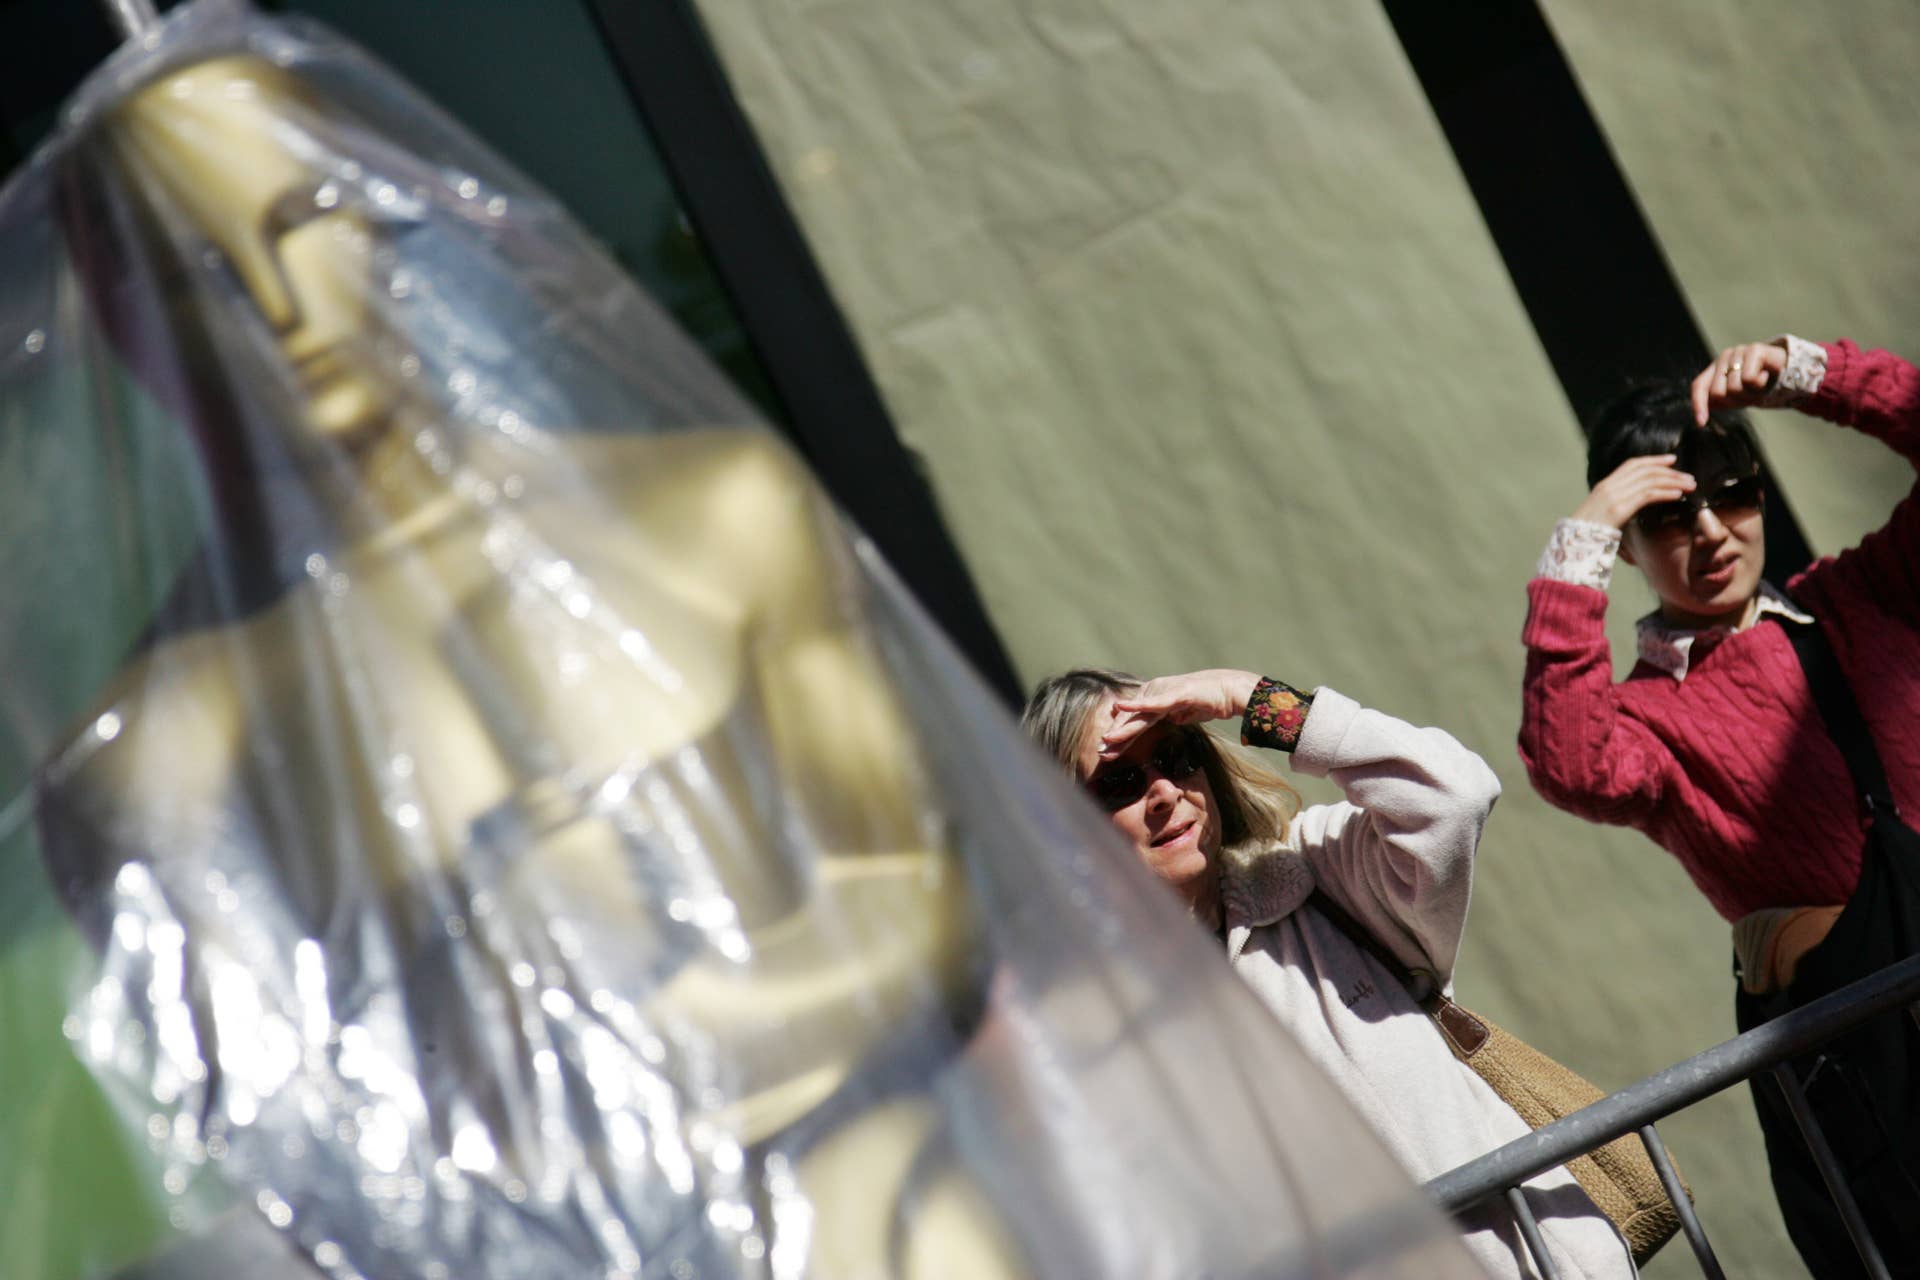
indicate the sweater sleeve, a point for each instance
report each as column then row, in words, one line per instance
column 1582, row 754
column 1399, row 854
column 1878, row 393
column 1872, row 391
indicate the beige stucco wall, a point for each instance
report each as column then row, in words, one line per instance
column 1211, row 361
column 1774, row 147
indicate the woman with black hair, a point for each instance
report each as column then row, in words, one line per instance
column 1772, row 760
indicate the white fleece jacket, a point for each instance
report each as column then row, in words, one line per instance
column 1398, row 855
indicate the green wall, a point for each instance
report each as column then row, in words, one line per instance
column 1206, row 348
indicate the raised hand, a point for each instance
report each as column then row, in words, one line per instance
column 1635, row 483
column 1738, row 376
column 1197, row 696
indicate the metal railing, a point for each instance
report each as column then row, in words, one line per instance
column 1634, row 1109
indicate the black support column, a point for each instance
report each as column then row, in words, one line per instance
column 1586, row 263
column 833, row 409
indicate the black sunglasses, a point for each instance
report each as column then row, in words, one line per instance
column 1734, row 497
column 1176, row 757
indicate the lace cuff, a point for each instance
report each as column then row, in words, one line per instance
column 1806, row 368
column 1580, row 552
column 1276, row 713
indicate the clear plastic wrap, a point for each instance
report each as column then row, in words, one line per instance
column 476, row 808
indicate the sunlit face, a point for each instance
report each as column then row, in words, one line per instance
column 1707, row 570
column 1174, row 822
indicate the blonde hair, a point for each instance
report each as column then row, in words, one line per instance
column 1256, row 804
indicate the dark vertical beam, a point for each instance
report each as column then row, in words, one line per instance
column 1585, row 262
column 833, row 408
column 46, row 48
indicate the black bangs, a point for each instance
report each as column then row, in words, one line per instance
column 1718, row 451
column 1657, row 417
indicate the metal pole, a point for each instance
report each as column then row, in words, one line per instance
column 1830, row 1171
column 1682, row 1204
column 1681, row 1085
column 131, row 18
column 1530, row 1233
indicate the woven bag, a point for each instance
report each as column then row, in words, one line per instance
column 1619, row 1178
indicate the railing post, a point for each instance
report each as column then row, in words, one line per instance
column 1682, row 1204
column 1530, row 1233
column 1830, row 1171
column 1681, row 1085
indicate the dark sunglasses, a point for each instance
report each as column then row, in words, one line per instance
column 1735, row 497
column 1176, row 757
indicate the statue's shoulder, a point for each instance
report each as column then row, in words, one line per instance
column 167, row 724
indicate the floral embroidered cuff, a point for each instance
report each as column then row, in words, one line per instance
column 1275, row 715
column 1580, row 552
column 1806, row 369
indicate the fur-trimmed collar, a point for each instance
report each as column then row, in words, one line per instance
column 1260, row 885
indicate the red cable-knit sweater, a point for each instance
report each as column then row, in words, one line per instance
column 1731, row 770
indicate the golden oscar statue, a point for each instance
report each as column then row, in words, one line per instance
column 557, row 816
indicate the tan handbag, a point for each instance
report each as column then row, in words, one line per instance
column 1619, row 1177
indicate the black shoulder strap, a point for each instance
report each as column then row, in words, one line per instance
column 1464, row 1031
column 1841, row 713
column 1361, row 937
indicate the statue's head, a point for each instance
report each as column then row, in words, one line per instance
column 229, row 247
column 231, row 156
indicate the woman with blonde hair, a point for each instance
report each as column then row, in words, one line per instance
column 1296, row 895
